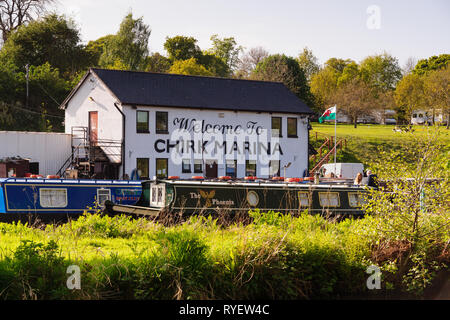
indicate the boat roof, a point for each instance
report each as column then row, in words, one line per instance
column 336, row 183
column 69, row 181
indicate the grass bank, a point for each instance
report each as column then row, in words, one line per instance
column 365, row 142
column 274, row 257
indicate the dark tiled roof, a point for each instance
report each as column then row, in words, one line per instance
column 160, row 89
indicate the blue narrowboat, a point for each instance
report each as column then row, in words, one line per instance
column 63, row 196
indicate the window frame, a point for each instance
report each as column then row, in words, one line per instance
column 183, row 170
column 280, row 131
column 300, row 205
column 227, row 166
column 278, row 173
column 201, row 165
column 247, row 163
column 98, row 196
column 137, row 122
column 148, row 168
column 166, row 160
column 359, row 197
column 296, row 128
column 53, row 189
column 159, row 131
column 327, row 193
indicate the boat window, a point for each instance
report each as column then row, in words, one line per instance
column 160, row 192
column 355, row 199
column 103, row 195
column 303, row 199
column 154, row 194
column 53, row 197
column 329, row 199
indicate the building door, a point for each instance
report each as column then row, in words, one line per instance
column 93, row 127
column 211, row 169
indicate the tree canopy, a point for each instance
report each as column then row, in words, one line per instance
column 128, row 49
column 284, row 69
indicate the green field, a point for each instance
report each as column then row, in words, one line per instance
column 365, row 141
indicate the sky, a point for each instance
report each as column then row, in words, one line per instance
column 344, row 29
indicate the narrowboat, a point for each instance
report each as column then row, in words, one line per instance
column 63, row 196
column 332, row 197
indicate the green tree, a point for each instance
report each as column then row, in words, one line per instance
column 227, row 50
column 381, row 71
column 338, row 64
column 433, row 63
column 50, row 39
column 128, row 49
column 182, row 48
column 95, row 49
column 437, row 92
column 157, row 63
column 355, row 97
column 286, row 70
column 409, row 95
column 324, row 85
column 189, row 67
column 40, row 112
column 308, row 62
column 214, row 64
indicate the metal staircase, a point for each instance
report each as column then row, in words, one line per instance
column 87, row 154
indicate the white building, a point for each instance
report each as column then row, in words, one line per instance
column 46, row 151
column 175, row 125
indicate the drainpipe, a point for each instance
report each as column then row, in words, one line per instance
column 123, row 139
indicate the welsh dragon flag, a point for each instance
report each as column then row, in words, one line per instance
column 329, row 114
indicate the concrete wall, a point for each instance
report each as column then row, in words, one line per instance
column 50, row 149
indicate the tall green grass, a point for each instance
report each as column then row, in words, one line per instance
column 274, row 257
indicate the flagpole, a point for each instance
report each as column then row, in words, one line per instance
column 335, row 140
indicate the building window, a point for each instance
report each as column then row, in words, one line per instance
column 198, row 166
column 162, row 165
column 276, row 127
column 142, row 167
column 250, row 168
column 142, row 122
column 53, row 198
column 231, row 168
column 162, row 122
column 292, row 127
column 186, row 166
column 274, row 168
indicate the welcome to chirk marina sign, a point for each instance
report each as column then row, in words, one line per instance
column 220, row 142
